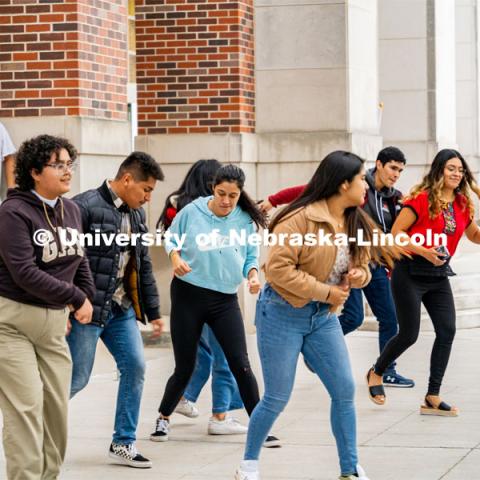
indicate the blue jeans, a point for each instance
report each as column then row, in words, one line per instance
column 379, row 296
column 123, row 339
column 211, row 359
column 283, row 332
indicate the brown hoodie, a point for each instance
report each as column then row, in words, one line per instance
column 298, row 273
column 42, row 275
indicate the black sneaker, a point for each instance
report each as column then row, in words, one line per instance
column 272, row 442
column 162, row 426
column 128, row 455
column 394, row 379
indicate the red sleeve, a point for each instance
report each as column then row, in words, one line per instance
column 419, row 204
column 170, row 214
column 286, row 195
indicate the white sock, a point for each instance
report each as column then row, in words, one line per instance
column 249, row 465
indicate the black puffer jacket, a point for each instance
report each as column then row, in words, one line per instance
column 100, row 214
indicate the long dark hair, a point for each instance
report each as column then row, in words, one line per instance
column 198, row 182
column 433, row 182
column 335, row 169
column 233, row 174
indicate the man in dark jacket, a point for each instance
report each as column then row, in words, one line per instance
column 382, row 203
column 126, row 292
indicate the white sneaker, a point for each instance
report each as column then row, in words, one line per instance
column 162, row 427
column 241, row 475
column 187, row 408
column 361, row 475
column 229, row 426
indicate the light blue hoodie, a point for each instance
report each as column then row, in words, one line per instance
column 216, row 263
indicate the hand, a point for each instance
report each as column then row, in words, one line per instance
column 254, row 284
column 157, row 327
column 265, row 206
column 433, row 256
column 84, row 313
column 180, row 266
column 69, row 327
column 338, row 295
column 355, row 277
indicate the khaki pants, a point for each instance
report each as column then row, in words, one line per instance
column 35, row 374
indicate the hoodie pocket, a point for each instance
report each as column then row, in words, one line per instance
column 231, row 265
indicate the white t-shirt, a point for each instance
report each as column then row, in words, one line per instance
column 6, row 148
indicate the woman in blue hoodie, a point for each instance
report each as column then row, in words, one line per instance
column 210, row 357
column 209, row 267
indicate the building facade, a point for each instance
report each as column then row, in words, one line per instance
column 272, row 85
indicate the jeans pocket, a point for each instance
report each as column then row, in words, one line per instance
column 271, row 296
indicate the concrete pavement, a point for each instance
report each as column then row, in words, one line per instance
column 395, row 442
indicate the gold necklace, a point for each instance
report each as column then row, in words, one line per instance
column 46, row 213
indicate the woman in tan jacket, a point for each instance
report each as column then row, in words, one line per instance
column 295, row 313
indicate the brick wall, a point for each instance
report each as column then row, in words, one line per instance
column 195, row 66
column 63, row 57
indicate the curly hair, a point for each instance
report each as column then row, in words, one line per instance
column 35, row 153
column 433, row 183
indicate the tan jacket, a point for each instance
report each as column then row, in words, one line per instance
column 298, row 273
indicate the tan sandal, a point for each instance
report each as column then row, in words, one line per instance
column 442, row 410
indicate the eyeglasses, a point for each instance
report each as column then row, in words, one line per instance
column 62, row 167
column 452, row 169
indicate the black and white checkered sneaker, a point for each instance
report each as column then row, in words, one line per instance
column 128, row 455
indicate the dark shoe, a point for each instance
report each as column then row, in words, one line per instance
column 394, row 379
column 375, row 391
column 272, row 442
column 128, row 455
column 162, row 427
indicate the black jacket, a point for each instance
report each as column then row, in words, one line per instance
column 100, row 214
column 377, row 199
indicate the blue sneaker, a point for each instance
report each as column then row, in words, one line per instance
column 394, row 379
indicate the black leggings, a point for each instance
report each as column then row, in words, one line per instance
column 409, row 292
column 192, row 307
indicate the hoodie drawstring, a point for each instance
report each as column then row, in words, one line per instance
column 55, row 229
column 380, row 214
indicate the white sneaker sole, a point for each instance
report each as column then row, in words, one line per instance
column 396, row 385
column 159, row 439
column 273, row 444
column 129, row 463
column 238, row 477
column 187, row 414
column 227, row 433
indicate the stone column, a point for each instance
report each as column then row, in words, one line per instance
column 317, row 85
column 467, row 50
column 63, row 71
column 418, row 80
